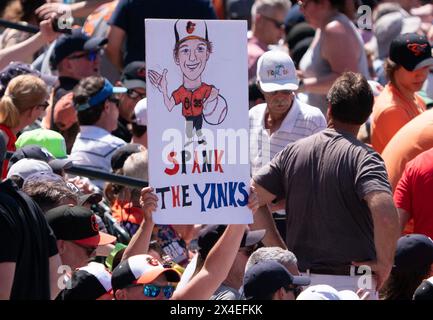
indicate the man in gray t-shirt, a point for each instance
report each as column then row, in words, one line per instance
column 336, row 194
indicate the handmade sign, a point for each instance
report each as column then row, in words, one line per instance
column 198, row 137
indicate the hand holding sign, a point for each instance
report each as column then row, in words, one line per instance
column 149, row 202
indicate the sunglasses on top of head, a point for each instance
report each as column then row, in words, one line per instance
column 277, row 24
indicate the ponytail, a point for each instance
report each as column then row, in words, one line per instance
column 9, row 114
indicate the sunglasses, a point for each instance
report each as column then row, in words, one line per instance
column 43, row 105
column 114, row 100
column 152, row 291
column 90, row 251
column 134, row 94
column 277, row 24
column 90, row 55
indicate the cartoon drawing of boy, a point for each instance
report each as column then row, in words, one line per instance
column 191, row 52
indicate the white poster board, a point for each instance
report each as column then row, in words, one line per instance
column 198, row 127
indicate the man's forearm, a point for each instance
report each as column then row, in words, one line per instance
column 21, row 50
column 263, row 220
column 386, row 230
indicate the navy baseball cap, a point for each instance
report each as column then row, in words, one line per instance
column 76, row 41
column 411, row 51
column 210, row 234
column 266, row 277
column 413, row 251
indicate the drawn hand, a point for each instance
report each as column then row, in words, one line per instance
column 159, row 80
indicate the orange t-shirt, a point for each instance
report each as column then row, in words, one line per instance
column 392, row 111
column 415, row 137
column 124, row 211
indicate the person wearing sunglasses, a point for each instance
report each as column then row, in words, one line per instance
column 97, row 105
column 77, row 233
column 133, row 79
column 267, row 29
column 142, row 277
column 75, row 57
column 24, row 101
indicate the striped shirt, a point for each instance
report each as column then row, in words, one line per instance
column 93, row 149
column 301, row 121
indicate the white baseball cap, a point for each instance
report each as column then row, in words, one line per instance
column 276, row 71
column 140, row 111
column 326, row 292
column 190, row 29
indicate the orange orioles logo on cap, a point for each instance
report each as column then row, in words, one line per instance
column 141, row 72
column 190, row 26
column 94, row 223
column 152, row 261
column 416, row 48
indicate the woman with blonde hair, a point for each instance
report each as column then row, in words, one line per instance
column 24, row 101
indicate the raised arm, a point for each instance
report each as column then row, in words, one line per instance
column 160, row 82
column 79, row 9
column 21, row 51
column 116, row 37
column 218, row 262
column 216, row 267
column 139, row 243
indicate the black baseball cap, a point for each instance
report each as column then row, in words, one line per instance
column 210, row 234
column 411, row 51
column 87, row 283
column 121, row 154
column 134, row 75
column 78, row 224
column 76, row 41
column 413, row 251
column 266, row 277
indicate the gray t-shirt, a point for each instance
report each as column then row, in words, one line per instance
column 324, row 179
column 226, row 293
